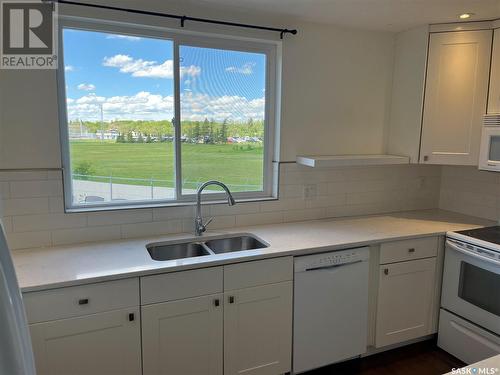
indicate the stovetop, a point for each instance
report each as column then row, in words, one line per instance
column 487, row 234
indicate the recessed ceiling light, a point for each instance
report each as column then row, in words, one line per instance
column 465, row 16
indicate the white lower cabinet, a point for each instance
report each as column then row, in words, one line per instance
column 405, row 301
column 183, row 337
column 106, row 343
column 243, row 325
column 258, row 330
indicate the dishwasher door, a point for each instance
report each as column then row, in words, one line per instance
column 330, row 308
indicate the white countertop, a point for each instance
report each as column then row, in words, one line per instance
column 490, row 366
column 45, row 268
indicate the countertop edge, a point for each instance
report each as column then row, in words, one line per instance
column 286, row 239
column 247, row 257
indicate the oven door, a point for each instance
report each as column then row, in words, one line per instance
column 489, row 157
column 471, row 287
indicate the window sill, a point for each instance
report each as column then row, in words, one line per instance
column 138, row 206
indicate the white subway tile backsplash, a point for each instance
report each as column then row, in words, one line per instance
column 119, row 217
column 81, row 235
column 30, row 189
column 470, row 191
column 56, row 204
column 35, row 208
column 260, row 218
column 7, row 223
column 151, row 229
column 170, row 213
column 25, row 206
column 54, row 175
column 23, row 175
column 4, row 190
column 28, row 223
column 306, row 214
column 327, row 201
column 291, row 191
column 29, row 239
column 282, row 204
column 238, row 209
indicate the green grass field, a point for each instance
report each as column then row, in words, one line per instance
column 232, row 164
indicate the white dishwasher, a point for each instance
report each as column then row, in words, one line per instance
column 330, row 308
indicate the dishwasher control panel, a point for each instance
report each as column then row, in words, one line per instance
column 331, row 259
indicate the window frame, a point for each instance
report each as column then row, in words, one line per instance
column 270, row 48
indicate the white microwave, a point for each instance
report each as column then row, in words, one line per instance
column 489, row 154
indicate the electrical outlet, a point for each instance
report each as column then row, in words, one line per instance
column 310, row 191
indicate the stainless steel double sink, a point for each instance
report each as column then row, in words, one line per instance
column 172, row 250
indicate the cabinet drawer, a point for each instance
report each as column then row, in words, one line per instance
column 400, row 251
column 180, row 285
column 260, row 272
column 81, row 300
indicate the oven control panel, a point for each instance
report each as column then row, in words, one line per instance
column 468, row 248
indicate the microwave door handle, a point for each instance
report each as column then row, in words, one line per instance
column 474, row 255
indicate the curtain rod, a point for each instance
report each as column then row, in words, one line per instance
column 183, row 19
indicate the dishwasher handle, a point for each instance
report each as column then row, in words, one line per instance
column 332, row 266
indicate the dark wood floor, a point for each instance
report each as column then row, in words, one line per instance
column 423, row 358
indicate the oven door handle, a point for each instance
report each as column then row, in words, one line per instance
column 470, row 253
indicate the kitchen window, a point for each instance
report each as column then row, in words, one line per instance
column 148, row 115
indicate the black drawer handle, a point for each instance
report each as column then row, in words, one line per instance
column 216, row 302
column 83, row 301
column 231, row 299
column 386, row 271
column 411, row 250
column 131, row 317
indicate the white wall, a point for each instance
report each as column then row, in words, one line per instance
column 336, row 92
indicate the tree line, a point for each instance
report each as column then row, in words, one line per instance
column 208, row 131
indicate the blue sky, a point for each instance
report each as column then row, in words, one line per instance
column 132, row 79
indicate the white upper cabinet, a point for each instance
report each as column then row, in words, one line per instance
column 494, row 97
column 455, row 97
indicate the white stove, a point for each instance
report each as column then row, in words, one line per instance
column 469, row 323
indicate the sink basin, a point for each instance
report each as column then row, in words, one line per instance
column 237, row 243
column 196, row 248
column 159, row 251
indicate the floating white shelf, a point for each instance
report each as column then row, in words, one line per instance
column 325, row 161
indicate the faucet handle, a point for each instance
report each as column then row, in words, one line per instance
column 208, row 222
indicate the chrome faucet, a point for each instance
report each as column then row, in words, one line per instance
column 199, row 226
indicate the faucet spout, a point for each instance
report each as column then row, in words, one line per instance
column 199, row 226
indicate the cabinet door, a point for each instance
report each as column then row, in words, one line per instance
column 455, row 97
column 258, row 330
column 405, row 301
column 494, row 98
column 183, row 337
column 106, row 343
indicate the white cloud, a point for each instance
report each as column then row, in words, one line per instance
column 145, row 68
column 69, row 68
column 246, row 68
column 147, row 106
column 126, row 37
column 86, row 87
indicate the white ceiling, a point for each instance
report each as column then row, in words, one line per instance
column 390, row 15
